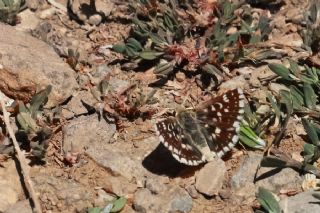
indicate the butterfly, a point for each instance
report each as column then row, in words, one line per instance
column 202, row 134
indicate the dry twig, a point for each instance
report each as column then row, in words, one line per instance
column 21, row 158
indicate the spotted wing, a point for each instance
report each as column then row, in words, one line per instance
column 220, row 118
column 171, row 136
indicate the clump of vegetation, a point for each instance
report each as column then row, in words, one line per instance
column 194, row 35
column 33, row 130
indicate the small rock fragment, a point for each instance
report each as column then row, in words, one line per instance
column 301, row 203
column 206, row 182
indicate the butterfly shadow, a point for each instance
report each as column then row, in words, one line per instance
column 161, row 162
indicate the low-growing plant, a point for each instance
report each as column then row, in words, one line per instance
column 33, row 130
column 193, row 35
column 303, row 86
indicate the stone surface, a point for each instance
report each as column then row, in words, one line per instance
column 244, row 184
column 236, row 82
column 84, row 10
column 86, row 132
column 63, row 192
column 21, row 207
column 174, row 199
column 10, row 185
column 77, row 105
column 301, row 203
column 29, row 21
column 29, row 63
column 210, row 184
column 118, row 161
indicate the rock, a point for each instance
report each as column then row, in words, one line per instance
column 85, row 11
column 276, row 88
column 32, row 4
column 259, row 74
column 86, row 132
column 95, row 19
column 29, row 64
column 209, row 184
column 29, row 21
column 301, row 203
column 103, row 198
column 60, row 192
column 47, row 13
column 104, row 6
column 236, row 82
column 242, row 183
column 173, row 200
column 192, row 191
column 79, row 104
column 117, row 161
column 21, row 207
column 10, row 186
column 121, row 187
column 155, row 185
column 141, row 202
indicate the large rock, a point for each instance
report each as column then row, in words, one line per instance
column 301, row 203
column 174, row 199
column 245, row 185
column 28, row 64
column 210, row 178
column 21, row 207
column 87, row 132
column 10, row 185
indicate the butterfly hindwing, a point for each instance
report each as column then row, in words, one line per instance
column 172, row 136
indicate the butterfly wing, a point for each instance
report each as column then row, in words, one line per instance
column 171, row 135
column 221, row 118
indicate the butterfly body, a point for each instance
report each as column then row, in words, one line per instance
column 209, row 131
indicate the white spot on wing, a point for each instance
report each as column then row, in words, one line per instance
column 226, row 149
column 218, row 130
column 161, row 138
column 241, row 104
column 235, row 139
column 230, row 145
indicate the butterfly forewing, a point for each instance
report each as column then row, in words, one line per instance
column 222, row 116
column 172, row 136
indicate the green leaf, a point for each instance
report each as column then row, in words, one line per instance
column 249, row 137
column 157, row 39
column 27, row 122
column 274, row 105
column 150, row 54
column 119, row 48
column 268, row 201
column 119, row 204
column 134, row 44
column 94, row 210
column 131, row 52
column 164, row 68
column 280, row 70
column 270, row 161
column 297, row 97
column 285, row 98
column 39, row 100
column 294, row 67
column 311, row 131
column 308, row 152
column 310, row 96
